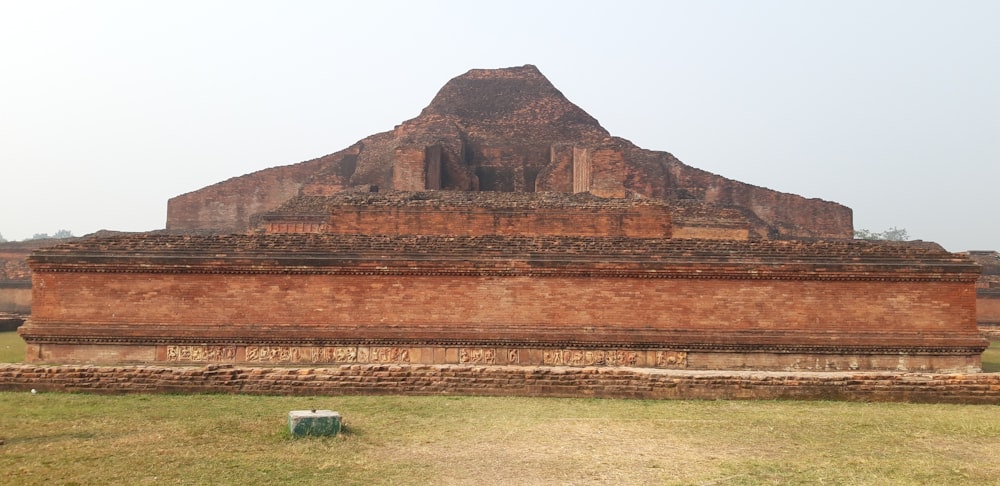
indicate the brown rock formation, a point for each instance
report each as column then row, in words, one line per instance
column 507, row 130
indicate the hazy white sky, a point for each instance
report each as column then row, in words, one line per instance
column 107, row 109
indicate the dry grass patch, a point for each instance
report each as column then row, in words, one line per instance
column 223, row 439
column 54, row 438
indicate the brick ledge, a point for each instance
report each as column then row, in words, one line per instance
column 604, row 382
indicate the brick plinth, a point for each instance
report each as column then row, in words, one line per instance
column 396, row 379
column 505, row 130
column 686, row 304
column 678, row 357
column 511, row 214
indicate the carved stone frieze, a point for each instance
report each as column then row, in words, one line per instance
column 579, row 357
column 273, row 354
column 383, row 355
column 477, row 355
column 671, row 359
column 201, row 353
column 301, row 354
column 331, row 354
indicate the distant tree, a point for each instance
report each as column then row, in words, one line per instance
column 895, row 234
column 891, row 234
column 63, row 233
column 863, row 234
column 2, row 240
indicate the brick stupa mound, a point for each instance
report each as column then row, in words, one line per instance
column 502, row 130
column 493, row 299
column 503, row 227
column 988, row 292
column 512, row 213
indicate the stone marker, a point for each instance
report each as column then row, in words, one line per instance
column 313, row 422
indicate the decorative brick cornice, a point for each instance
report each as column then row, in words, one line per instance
column 506, row 381
column 312, row 254
column 753, row 341
column 703, row 347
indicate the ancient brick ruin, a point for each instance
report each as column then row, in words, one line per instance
column 511, row 214
column 506, row 300
column 488, row 380
column 988, row 292
column 502, row 130
column 503, row 227
column 15, row 281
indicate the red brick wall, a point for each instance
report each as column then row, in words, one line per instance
column 558, row 303
column 710, row 232
column 15, row 276
column 988, row 308
column 607, row 172
column 599, row 171
column 409, row 168
column 717, row 304
column 637, row 222
column 508, row 167
column 416, row 168
column 790, row 214
column 982, row 388
column 557, row 176
column 15, row 298
column 755, row 324
column 311, row 227
column 229, row 205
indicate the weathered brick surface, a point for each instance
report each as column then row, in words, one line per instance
column 502, row 130
column 515, row 305
column 988, row 307
column 975, row 388
column 14, row 258
column 15, row 279
column 725, row 304
column 15, row 296
column 988, row 291
column 228, row 205
column 485, row 213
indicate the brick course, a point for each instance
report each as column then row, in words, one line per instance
column 824, row 305
column 981, row 388
column 502, row 130
column 492, row 213
column 988, row 292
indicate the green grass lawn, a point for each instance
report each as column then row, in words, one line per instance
column 64, row 438
column 11, row 348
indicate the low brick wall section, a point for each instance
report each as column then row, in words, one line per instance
column 981, row 388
